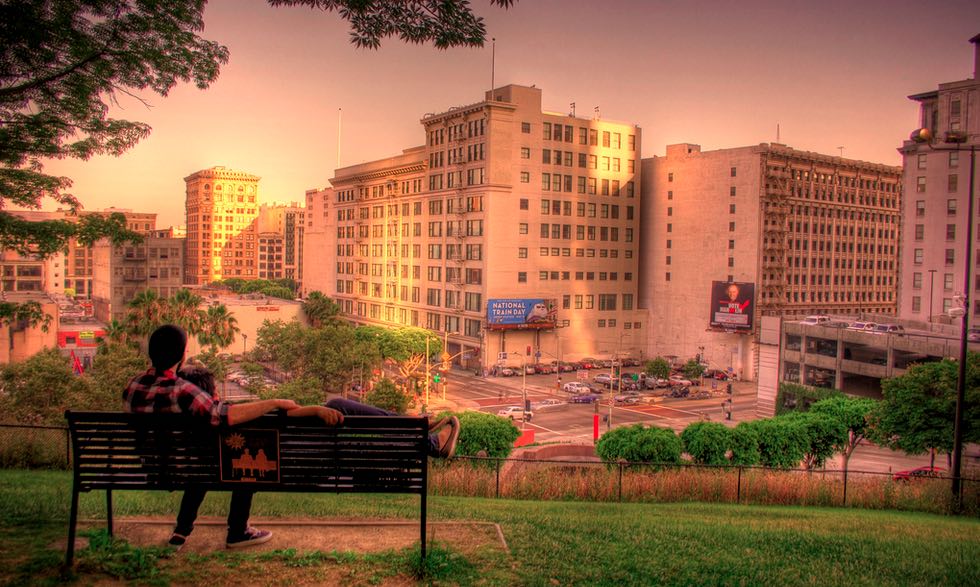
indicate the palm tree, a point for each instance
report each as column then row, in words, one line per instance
column 320, row 309
column 116, row 332
column 183, row 310
column 218, row 327
column 146, row 312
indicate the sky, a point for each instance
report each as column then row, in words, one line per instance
column 721, row 74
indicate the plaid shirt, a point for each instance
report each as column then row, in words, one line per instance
column 168, row 394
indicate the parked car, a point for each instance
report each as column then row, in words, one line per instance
column 566, row 367
column 889, row 329
column 679, row 391
column 973, row 334
column 515, row 413
column 919, row 473
column 627, row 399
column 507, row 372
column 702, row 394
column 544, row 369
column 863, row 326
column 680, row 380
column 529, row 369
column 655, row 382
column 576, row 387
column 588, row 363
column 816, row 319
column 602, row 379
column 549, row 403
column 585, row 398
column 717, row 374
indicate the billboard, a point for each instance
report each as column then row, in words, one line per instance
column 732, row 305
column 519, row 314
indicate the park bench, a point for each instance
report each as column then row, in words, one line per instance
column 274, row 453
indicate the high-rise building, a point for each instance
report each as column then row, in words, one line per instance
column 797, row 232
column 937, row 186
column 121, row 272
column 222, row 207
column 512, row 230
column 281, row 227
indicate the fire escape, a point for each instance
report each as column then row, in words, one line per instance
column 776, row 187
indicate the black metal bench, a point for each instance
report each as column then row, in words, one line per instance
column 368, row 454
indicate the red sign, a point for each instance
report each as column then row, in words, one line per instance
column 267, row 308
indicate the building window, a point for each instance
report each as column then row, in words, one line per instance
column 526, row 128
column 950, row 232
column 524, row 204
column 525, row 153
column 920, row 208
column 954, row 159
column 947, row 281
column 951, row 207
column 731, row 208
column 917, row 256
column 522, row 253
column 920, row 231
column 522, row 277
column 522, row 228
column 952, row 182
column 731, row 191
column 917, row 280
column 950, row 257
column 921, row 161
column 916, row 304
column 670, row 176
column 920, row 184
column 733, row 172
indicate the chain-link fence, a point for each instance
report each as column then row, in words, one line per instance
column 47, row 447
column 34, row 447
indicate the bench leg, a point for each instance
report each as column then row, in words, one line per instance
column 108, row 510
column 72, row 521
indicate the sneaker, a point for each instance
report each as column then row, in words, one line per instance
column 447, row 446
column 176, row 541
column 250, row 537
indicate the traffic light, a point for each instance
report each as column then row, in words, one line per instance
column 616, row 370
column 437, row 377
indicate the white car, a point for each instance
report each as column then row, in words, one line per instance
column 514, row 413
column 575, row 387
column 678, row 380
column 862, row 326
column 549, row 403
column 817, row 319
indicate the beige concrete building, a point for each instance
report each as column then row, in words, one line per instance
column 937, row 187
column 809, row 233
column 20, row 341
column 511, row 227
column 250, row 311
column 222, row 208
column 79, row 260
column 27, row 273
column 319, row 243
column 287, row 225
column 119, row 273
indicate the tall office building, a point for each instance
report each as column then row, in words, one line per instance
column 222, row 208
column 937, row 186
column 79, row 261
column 797, row 232
column 280, row 230
column 119, row 273
column 511, row 229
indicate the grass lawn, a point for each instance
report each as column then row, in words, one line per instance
column 552, row 543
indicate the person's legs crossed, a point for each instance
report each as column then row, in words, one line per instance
column 189, row 504
column 238, row 512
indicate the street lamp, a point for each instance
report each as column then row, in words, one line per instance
column 924, row 136
column 244, row 343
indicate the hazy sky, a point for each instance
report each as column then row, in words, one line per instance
column 717, row 73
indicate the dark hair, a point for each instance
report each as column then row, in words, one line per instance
column 199, row 376
column 166, row 347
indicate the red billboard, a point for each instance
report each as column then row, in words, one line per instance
column 732, row 305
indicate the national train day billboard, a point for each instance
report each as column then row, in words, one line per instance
column 518, row 314
column 732, row 305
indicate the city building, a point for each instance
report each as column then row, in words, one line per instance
column 281, row 227
column 797, row 232
column 28, row 273
column 120, row 272
column 78, row 338
column 78, row 257
column 936, row 182
column 512, row 230
column 222, row 208
column 319, row 268
column 20, row 340
column 250, row 312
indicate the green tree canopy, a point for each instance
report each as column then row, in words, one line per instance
column 918, row 408
column 745, row 445
column 479, row 431
column 853, row 413
column 658, row 368
column 640, row 444
column 692, row 370
column 387, row 396
column 707, row 442
column 822, row 435
column 320, row 309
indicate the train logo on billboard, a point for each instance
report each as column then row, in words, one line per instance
column 514, row 314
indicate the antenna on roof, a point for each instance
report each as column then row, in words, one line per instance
column 596, row 113
column 572, row 106
column 777, row 132
column 493, row 64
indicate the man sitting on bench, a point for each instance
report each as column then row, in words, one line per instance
column 161, row 390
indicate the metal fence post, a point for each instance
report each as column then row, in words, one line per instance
column 738, row 494
column 498, row 478
column 845, row 487
column 620, row 481
column 67, row 450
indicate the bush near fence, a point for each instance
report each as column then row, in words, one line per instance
column 33, row 447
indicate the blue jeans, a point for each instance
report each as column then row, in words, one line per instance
column 241, row 505
column 350, row 407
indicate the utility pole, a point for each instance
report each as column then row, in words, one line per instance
column 425, row 406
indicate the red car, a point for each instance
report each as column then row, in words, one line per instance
column 920, row 473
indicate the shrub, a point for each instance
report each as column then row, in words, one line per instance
column 481, row 431
column 707, row 442
column 306, row 391
column 386, row 396
column 744, row 442
column 782, row 442
column 640, row 444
